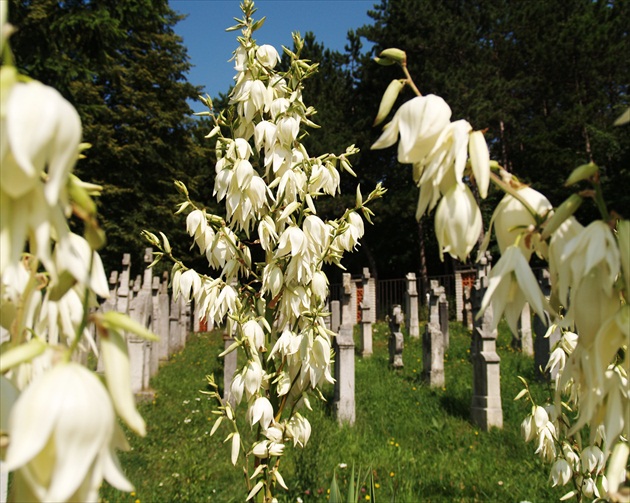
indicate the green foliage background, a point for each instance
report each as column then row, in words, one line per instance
column 545, row 78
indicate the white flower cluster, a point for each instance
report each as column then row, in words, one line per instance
column 59, row 420
column 439, row 151
column 274, row 306
column 589, row 268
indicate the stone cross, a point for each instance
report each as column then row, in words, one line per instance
column 344, row 361
column 433, row 341
column 396, row 340
column 366, row 319
column 486, row 410
column 411, row 306
column 543, row 345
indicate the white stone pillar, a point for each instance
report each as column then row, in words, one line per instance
column 366, row 319
column 459, row 297
column 396, row 339
column 443, row 315
column 411, row 306
column 344, row 361
column 525, row 342
column 486, row 410
column 335, row 315
column 433, row 341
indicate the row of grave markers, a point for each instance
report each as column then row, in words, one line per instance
column 146, row 299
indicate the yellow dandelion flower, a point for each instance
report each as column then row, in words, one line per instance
column 391, row 474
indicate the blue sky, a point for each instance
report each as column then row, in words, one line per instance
column 210, row 46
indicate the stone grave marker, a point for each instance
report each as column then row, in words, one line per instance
column 524, row 341
column 411, row 306
column 443, row 314
column 486, row 410
column 396, row 339
column 344, row 361
column 366, row 318
column 433, row 340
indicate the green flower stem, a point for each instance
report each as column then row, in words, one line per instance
column 410, row 81
column 505, row 187
column 599, row 201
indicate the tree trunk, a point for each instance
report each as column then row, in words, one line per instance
column 424, row 273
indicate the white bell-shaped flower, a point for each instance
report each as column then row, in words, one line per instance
column 63, row 432
column 458, row 222
column 419, row 122
column 267, row 55
column 511, row 284
column 512, row 219
column 261, row 410
column 43, row 132
column 560, row 473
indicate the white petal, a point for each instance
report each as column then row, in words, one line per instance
column 118, row 377
column 480, row 161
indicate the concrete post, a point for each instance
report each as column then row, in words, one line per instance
column 433, row 341
column 366, row 320
column 396, row 339
column 344, row 361
column 486, row 410
column 411, row 306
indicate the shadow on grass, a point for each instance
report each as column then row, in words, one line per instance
column 457, row 406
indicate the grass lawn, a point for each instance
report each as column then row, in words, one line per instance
column 418, row 441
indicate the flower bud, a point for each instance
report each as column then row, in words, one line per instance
column 566, row 210
column 393, row 54
column 580, row 173
column 480, row 161
column 389, row 98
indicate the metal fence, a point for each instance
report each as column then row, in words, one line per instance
column 390, row 292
